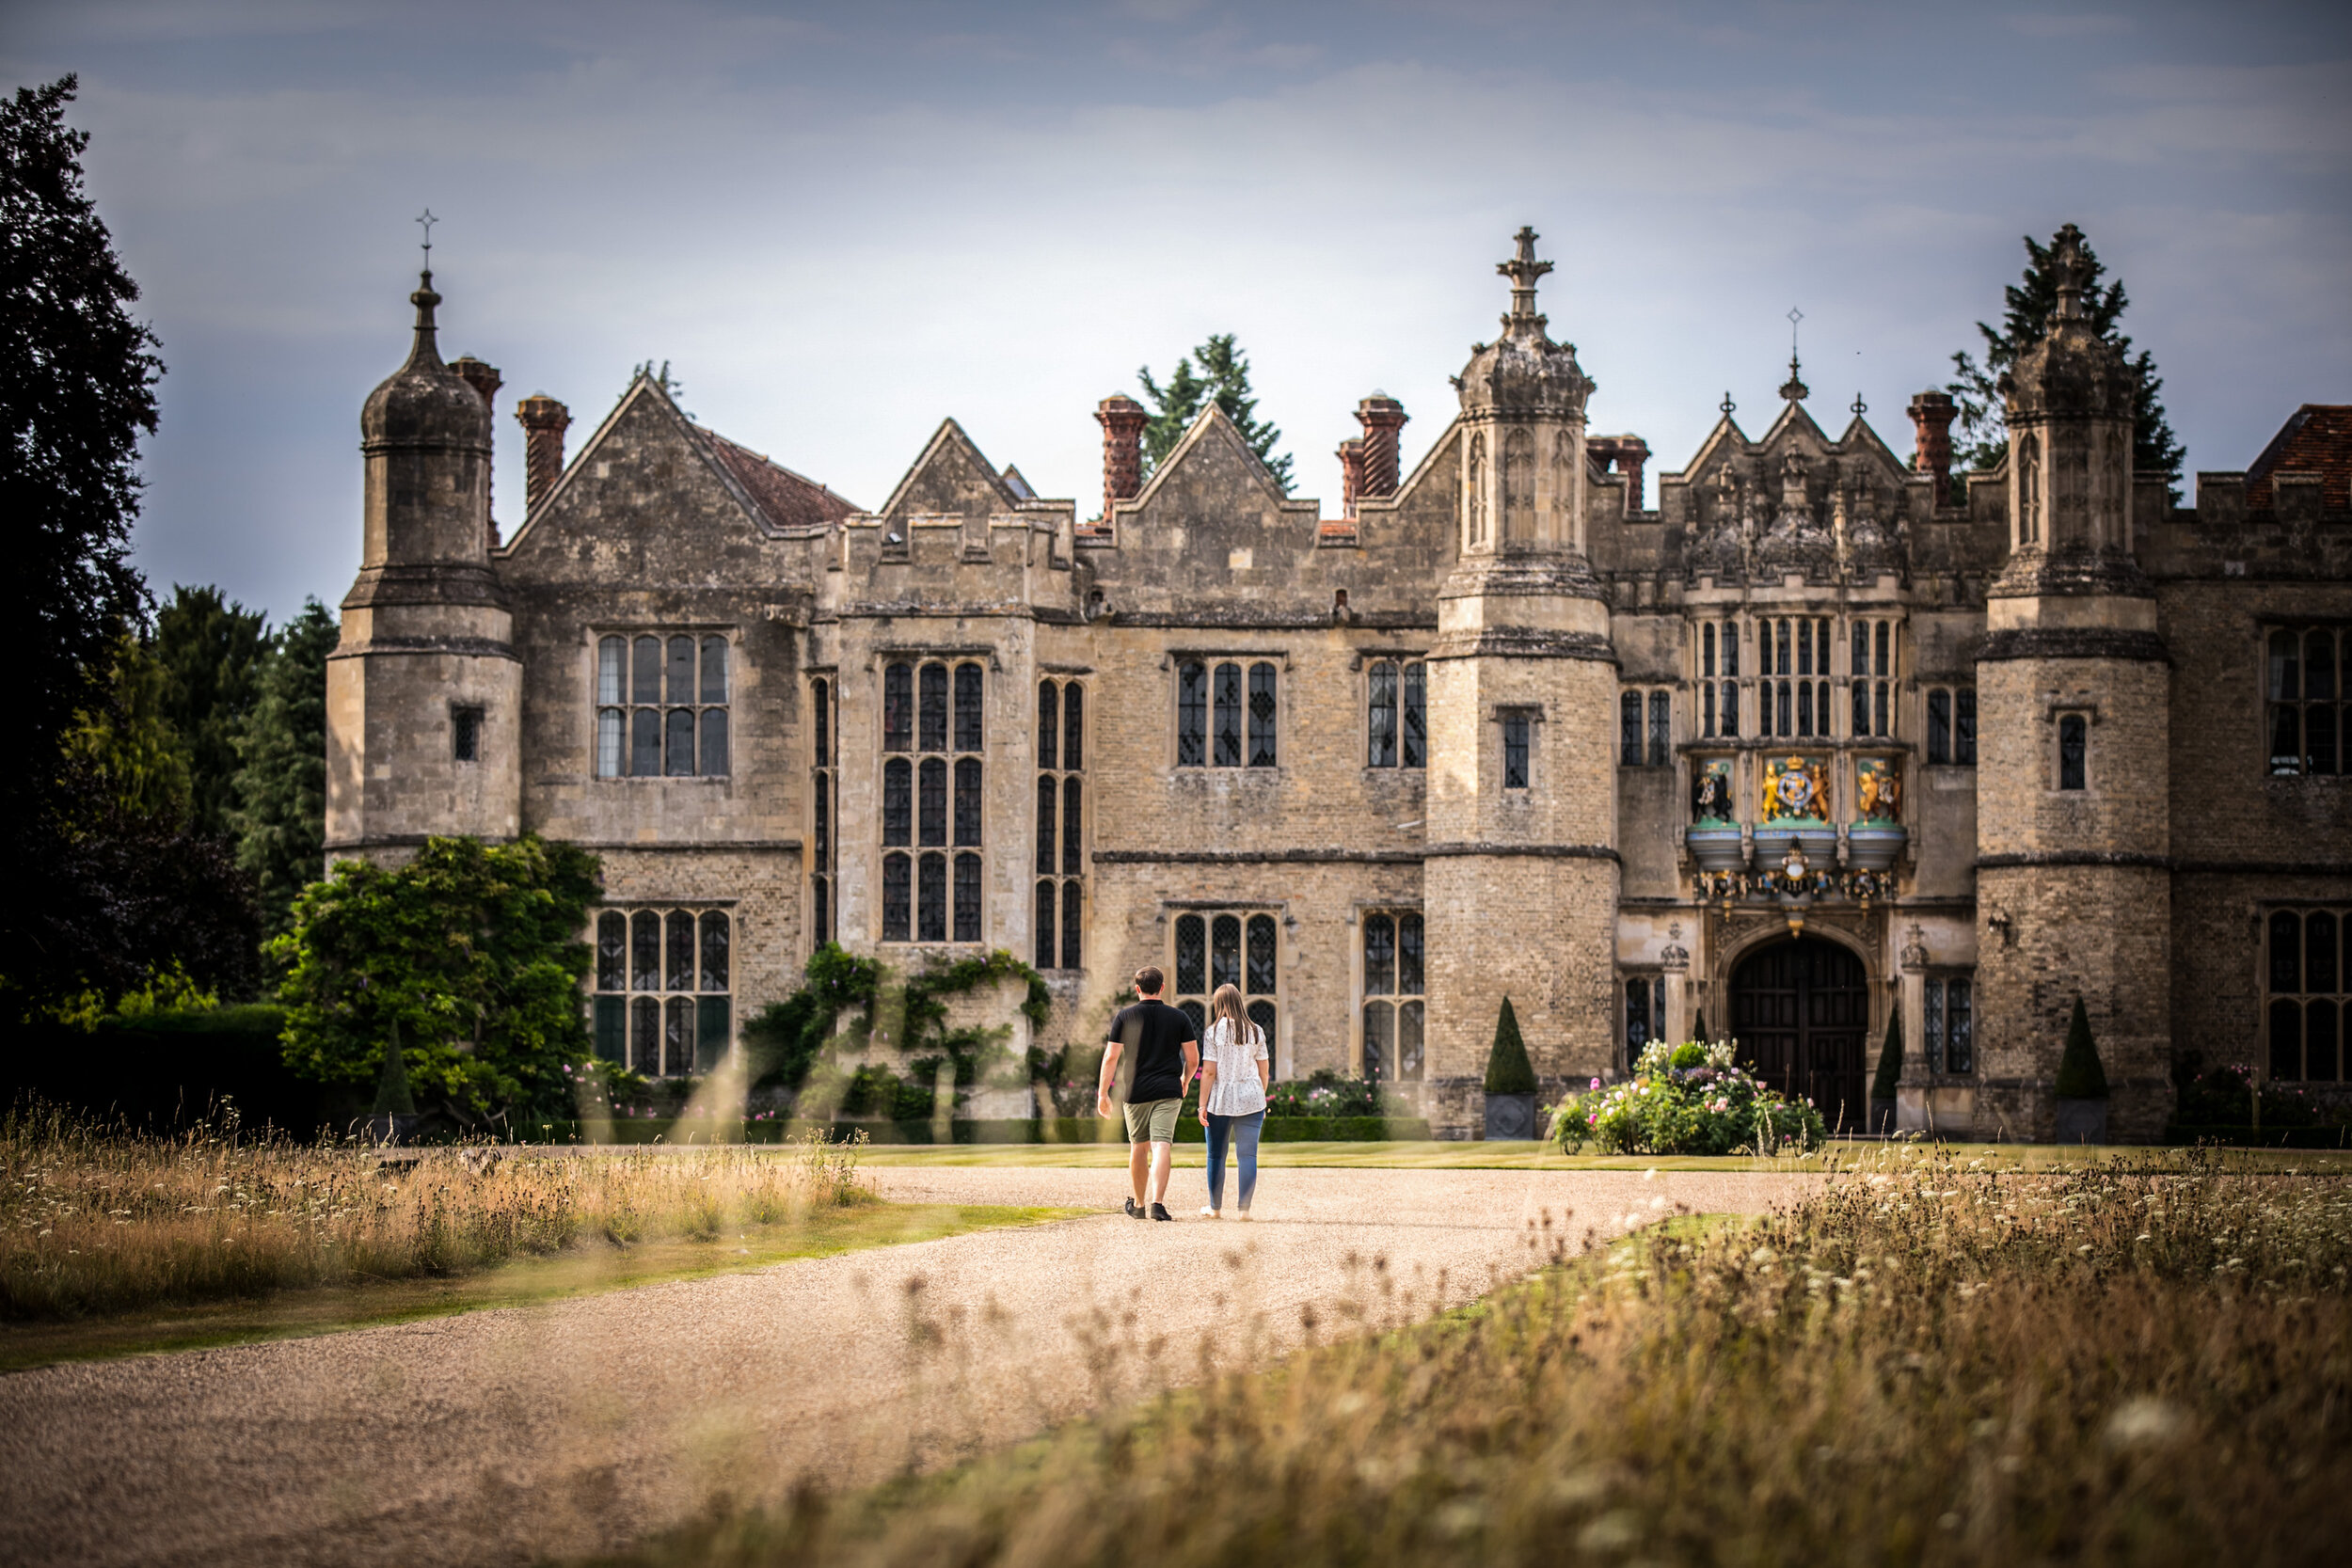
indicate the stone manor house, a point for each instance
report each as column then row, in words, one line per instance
column 1824, row 736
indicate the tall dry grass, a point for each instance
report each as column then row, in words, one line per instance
column 97, row 1219
column 2147, row 1363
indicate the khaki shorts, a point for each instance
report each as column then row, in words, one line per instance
column 1153, row 1120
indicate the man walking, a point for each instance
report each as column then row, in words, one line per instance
column 1160, row 1050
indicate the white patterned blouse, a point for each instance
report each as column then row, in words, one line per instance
column 1237, row 1091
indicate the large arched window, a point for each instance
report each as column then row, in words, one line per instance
column 1393, row 1003
column 934, row 799
column 1060, row 899
column 1234, row 948
column 663, row 1002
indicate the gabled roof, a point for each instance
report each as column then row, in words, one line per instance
column 1213, row 426
column 786, row 500
column 773, row 496
column 2317, row 439
column 953, row 456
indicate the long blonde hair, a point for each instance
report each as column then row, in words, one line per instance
column 1226, row 1003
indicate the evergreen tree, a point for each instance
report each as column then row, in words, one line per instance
column 1982, row 439
column 1890, row 1071
column 1223, row 378
column 279, row 818
column 1508, row 1070
column 1698, row 1027
column 77, row 389
column 2080, row 1074
column 128, row 747
column 211, row 649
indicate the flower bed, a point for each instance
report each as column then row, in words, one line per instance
column 1690, row 1099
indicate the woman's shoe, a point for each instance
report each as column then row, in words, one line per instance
column 1209, row 1213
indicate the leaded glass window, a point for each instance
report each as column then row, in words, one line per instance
column 2309, row 988
column 663, row 977
column 1219, row 948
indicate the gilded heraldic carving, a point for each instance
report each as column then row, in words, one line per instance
column 1879, row 789
column 1792, row 790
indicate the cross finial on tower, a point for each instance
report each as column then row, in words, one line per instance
column 2073, row 274
column 1727, row 405
column 425, row 220
column 1523, row 270
column 1794, row 388
column 1859, row 408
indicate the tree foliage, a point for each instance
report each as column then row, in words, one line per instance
column 77, row 389
column 472, row 952
column 212, row 651
column 1222, row 378
column 126, row 745
column 1982, row 438
column 279, row 818
column 1508, row 1070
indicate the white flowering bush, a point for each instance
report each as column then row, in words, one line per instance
column 1687, row 1099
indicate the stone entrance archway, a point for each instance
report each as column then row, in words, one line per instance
column 1800, row 1011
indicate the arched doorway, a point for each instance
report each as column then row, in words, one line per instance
column 1800, row 1011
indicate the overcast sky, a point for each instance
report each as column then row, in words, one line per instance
column 841, row 224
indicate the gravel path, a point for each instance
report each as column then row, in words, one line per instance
column 504, row 1436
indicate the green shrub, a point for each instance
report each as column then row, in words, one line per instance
column 1687, row 1100
column 1324, row 1093
column 2080, row 1074
column 1508, row 1070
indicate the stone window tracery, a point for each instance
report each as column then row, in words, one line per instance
column 2308, row 979
column 1793, row 696
column 1395, row 1004
column 824, row 801
column 1058, row 908
column 1951, row 1024
column 662, row 706
column 1952, row 725
column 2308, row 673
column 1216, row 726
column 1871, row 677
column 1228, row 948
column 1397, row 714
column 932, row 800
column 663, row 1002
column 1644, row 728
column 1719, row 678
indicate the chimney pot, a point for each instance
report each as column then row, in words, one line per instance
column 544, row 421
column 1351, row 474
column 1932, row 416
column 1382, row 417
column 1123, row 419
column 484, row 379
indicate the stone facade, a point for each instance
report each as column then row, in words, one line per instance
column 1497, row 728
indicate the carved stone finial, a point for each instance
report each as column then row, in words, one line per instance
column 1794, row 388
column 1727, row 405
column 1522, row 269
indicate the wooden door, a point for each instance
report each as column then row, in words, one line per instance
column 1800, row 1011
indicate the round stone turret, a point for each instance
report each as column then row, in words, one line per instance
column 426, row 403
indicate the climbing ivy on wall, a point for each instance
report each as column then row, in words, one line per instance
column 787, row 1038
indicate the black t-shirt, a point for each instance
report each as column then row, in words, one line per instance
column 1152, row 1035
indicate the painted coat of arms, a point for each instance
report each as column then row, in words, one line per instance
column 1710, row 794
column 1792, row 791
column 1878, row 789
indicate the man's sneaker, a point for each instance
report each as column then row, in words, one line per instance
column 1133, row 1212
column 1159, row 1212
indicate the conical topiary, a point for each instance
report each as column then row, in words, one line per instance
column 1698, row 1029
column 2080, row 1074
column 392, row 1098
column 1508, row 1070
column 1890, row 1059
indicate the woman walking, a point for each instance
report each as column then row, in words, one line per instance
column 1232, row 1096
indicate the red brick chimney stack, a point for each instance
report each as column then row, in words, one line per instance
column 1351, row 474
column 544, row 421
column 484, row 379
column 1123, row 419
column 1932, row 416
column 1382, row 417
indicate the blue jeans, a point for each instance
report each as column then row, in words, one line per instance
column 1240, row 1134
